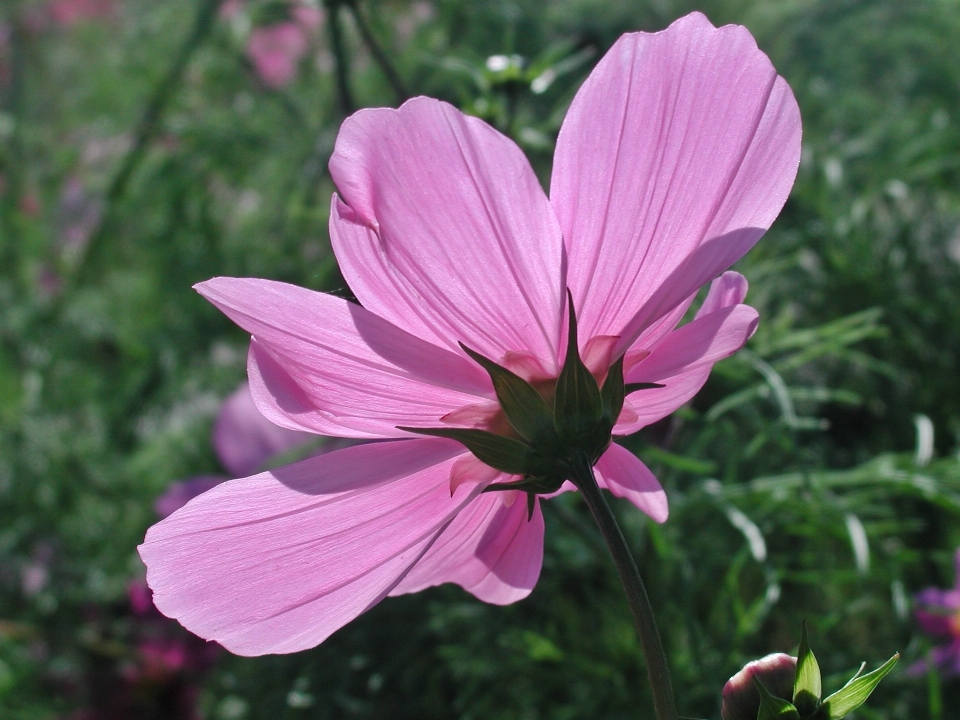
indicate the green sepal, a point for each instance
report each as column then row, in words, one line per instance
column 612, row 393
column 772, row 707
column 633, row 387
column 525, row 408
column 807, row 687
column 531, row 505
column 578, row 406
column 855, row 693
column 538, row 485
column 503, row 453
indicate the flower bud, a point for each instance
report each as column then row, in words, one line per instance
column 741, row 698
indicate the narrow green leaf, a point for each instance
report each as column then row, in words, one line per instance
column 855, row 693
column 525, row 408
column 612, row 393
column 633, row 387
column 807, row 688
column 503, row 453
column 774, row 708
column 578, row 405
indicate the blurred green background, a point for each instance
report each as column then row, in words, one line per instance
column 145, row 146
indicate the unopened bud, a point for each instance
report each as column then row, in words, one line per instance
column 741, row 698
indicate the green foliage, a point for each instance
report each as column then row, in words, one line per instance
column 141, row 153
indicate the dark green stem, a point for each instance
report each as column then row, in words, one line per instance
column 341, row 59
column 657, row 670
column 393, row 77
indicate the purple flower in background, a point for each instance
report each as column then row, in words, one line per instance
column 243, row 440
column 165, row 665
column 938, row 615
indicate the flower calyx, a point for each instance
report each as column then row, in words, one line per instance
column 553, row 427
column 763, row 690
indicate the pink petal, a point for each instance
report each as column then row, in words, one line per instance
column 704, row 264
column 526, row 366
column 728, row 289
column 490, row 550
column 682, row 362
column 598, row 353
column 622, row 473
column 446, row 231
column 704, row 341
column 244, row 439
column 332, row 367
column 676, row 139
column 467, row 469
column 277, row 562
column 649, row 406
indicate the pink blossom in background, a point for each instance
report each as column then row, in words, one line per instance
column 243, row 440
column 166, row 664
column 938, row 614
column 276, row 50
column 70, row 12
column 676, row 155
column 308, row 17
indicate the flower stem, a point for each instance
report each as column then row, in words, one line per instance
column 657, row 670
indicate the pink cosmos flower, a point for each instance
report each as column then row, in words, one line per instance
column 676, row 155
column 938, row 615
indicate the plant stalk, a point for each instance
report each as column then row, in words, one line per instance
column 379, row 56
column 643, row 619
column 341, row 58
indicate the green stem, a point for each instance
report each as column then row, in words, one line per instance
column 643, row 620
column 341, row 59
column 393, row 77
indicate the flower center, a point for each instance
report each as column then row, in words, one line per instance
column 543, row 430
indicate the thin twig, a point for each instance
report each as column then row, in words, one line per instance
column 341, row 60
column 393, row 77
column 153, row 112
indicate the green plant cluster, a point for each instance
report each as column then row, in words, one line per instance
column 141, row 152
